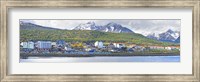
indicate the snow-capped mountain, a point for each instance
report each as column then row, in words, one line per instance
column 110, row 27
column 87, row 26
column 168, row 36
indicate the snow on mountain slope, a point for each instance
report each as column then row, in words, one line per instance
column 168, row 36
column 110, row 27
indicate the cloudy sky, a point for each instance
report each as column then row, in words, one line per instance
column 142, row 26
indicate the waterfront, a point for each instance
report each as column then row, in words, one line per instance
column 101, row 59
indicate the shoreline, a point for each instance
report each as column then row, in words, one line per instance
column 24, row 55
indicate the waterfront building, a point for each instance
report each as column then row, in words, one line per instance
column 24, row 44
column 111, row 45
column 138, row 48
column 119, row 45
column 44, row 44
column 168, row 48
column 130, row 50
column 68, row 48
column 60, row 43
column 160, row 47
column 21, row 44
column 28, row 45
column 53, row 44
column 157, row 47
column 98, row 44
column 88, row 49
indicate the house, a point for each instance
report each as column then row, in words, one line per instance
column 130, row 50
column 67, row 48
column 53, row 44
column 21, row 44
column 111, row 45
column 160, row 47
column 88, row 49
column 31, row 45
column 114, row 50
column 60, row 43
column 157, row 47
column 43, row 44
column 98, row 44
column 168, row 48
column 138, row 48
column 28, row 45
column 119, row 45
column 175, row 47
column 24, row 44
column 77, row 45
column 152, row 47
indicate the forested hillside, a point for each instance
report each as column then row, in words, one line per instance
column 88, row 36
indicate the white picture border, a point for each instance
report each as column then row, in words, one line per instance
column 183, row 67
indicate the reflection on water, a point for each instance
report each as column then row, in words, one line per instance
column 102, row 59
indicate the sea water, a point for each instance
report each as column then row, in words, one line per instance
column 101, row 59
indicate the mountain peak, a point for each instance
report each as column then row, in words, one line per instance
column 170, row 31
column 110, row 27
column 86, row 26
column 168, row 36
column 91, row 23
column 113, row 24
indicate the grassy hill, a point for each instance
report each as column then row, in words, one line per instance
column 30, row 26
column 86, row 35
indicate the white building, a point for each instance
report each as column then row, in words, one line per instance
column 88, row 49
column 24, row 44
column 118, row 45
column 53, row 44
column 168, row 48
column 29, row 45
column 68, row 48
column 98, row 44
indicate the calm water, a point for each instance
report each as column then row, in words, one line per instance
column 103, row 59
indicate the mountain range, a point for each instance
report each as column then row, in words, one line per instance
column 110, row 27
column 168, row 36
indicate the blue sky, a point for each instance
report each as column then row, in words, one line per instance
column 142, row 26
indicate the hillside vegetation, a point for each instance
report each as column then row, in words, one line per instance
column 88, row 36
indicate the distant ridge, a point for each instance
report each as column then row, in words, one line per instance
column 168, row 36
column 31, row 26
column 110, row 27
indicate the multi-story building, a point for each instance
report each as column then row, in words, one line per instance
column 43, row 44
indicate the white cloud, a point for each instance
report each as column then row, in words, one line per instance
column 143, row 26
column 154, row 26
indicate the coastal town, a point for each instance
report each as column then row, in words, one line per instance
column 83, row 48
column 98, row 41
